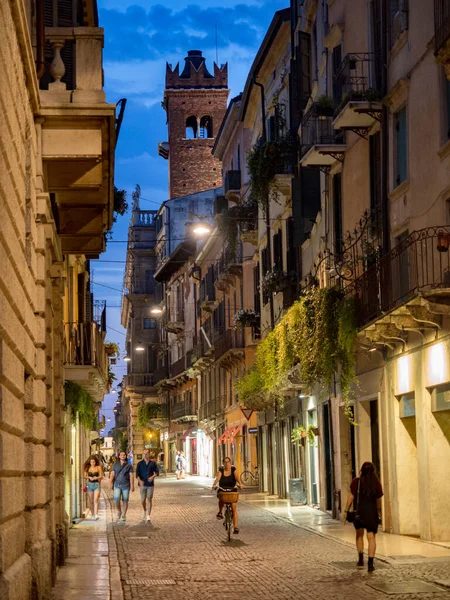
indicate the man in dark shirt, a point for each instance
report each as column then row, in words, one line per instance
column 122, row 480
column 146, row 471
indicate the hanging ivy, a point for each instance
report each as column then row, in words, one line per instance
column 316, row 338
column 149, row 411
column 229, row 221
column 80, row 403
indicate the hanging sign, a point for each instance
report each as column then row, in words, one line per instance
column 247, row 412
column 253, row 430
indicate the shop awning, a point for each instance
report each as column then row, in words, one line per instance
column 229, row 434
column 188, row 431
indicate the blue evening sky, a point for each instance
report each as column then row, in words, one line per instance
column 140, row 37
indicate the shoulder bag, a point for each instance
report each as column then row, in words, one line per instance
column 352, row 515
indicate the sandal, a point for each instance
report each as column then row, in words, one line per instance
column 236, row 530
column 219, row 515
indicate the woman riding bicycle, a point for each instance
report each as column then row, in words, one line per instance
column 228, row 479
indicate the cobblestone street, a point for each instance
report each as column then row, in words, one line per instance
column 183, row 554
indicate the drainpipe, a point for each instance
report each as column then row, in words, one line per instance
column 384, row 133
column 268, row 230
column 40, row 39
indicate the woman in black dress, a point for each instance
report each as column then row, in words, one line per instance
column 228, row 479
column 366, row 493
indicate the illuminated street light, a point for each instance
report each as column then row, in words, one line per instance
column 127, row 359
column 201, row 228
column 156, row 310
column 113, row 391
column 139, row 348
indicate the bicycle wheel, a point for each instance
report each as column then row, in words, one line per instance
column 247, row 477
column 228, row 521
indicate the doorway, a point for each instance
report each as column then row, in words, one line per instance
column 327, row 457
column 313, row 457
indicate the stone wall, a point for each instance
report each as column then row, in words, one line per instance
column 33, row 529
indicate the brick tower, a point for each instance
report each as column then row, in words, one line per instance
column 195, row 102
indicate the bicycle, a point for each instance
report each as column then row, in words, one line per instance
column 228, row 497
column 250, row 478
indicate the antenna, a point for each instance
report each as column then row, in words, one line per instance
column 217, row 52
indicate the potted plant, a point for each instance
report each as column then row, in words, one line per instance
column 246, row 317
column 325, row 106
column 300, row 434
column 112, row 349
column 275, row 281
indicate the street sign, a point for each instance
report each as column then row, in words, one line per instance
column 253, row 430
column 247, row 412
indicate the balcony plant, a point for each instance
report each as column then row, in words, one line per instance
column 112, row 349
column 370, row 95
column 150, row 411
column 317, row 335
column 309, row 434
column 246, row 317
column 80, row 403
column 325, row 106
column 275, row 281
column 236, row 218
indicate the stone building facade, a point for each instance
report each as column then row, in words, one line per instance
column 195, row 102
column 45, row 175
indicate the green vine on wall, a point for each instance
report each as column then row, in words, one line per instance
column 315, row 338
column 230, row 220
column 80, row 403
column 150, row 411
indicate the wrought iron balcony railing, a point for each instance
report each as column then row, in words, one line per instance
column 441, row 24
column 232, row 181
column 317, row 128
column 182, row 409
column 84, row 346
column 420, row 263
column 213, row 408
column 356, row 79
column 230, row 339
column 178, row 367
column 160, row 374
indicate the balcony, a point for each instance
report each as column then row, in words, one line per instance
column 356, row 88
column 408, row 289
column 207, row 296
column 175, row 323
column 321, row 143
column 213, row 408
column 140, row 380
column 183, row 412
column 202, row 352
column 232, row 185
column 442, row 34
column 85, row 359
column 178, row 367
column 228, row 348
column 160, row 374
column 78, row 139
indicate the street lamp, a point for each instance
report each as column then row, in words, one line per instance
column 156, row 310
column 201, row 228
column 113, row 391
column 127, row 359
column 139, row 348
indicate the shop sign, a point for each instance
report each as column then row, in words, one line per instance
column 253, row 430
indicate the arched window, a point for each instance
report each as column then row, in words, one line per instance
column 191, row 127
column 206, row 129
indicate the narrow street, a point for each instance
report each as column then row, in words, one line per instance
column 183, row 554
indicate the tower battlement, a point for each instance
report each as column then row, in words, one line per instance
column 195, row 74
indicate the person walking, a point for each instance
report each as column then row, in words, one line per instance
column 182, row 465
column 365, row 493
column 146, row 471
column 122, row 480
column 93, row 472
column 178, row 464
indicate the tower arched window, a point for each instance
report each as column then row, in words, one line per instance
column 206, row 127
column 191, row 127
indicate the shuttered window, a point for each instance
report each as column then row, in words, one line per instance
column 401, row 149
column 447, row 90
column 375, row 171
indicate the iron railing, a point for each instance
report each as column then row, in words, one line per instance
column 227, row 258
column 355, row 77
column 441, row 24
column 213, row 408
column 160, row 374
column 317, row 128
column 230, row 339
column 182, row 409
column 141, row 380
column 419, row 263
column 207, row 291
column 178, row 367
column 84, row 346
column 232, row 181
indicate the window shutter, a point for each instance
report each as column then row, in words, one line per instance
column 337, row 206
column 304, row 49
column 375, row 171
column 401, row 149
column 305, row 202
column 447, row 89
column 271, row 129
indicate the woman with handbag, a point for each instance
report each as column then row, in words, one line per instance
column 93, row 472
column 365, row 494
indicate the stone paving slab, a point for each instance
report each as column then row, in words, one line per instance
column 270, row 558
